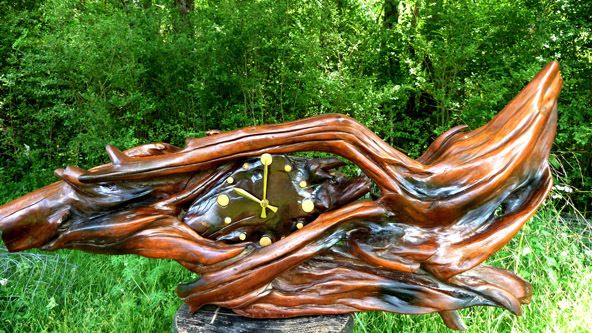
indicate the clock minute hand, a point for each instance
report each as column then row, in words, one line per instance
column 266, row 160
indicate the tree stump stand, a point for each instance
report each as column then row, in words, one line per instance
column 213, row 319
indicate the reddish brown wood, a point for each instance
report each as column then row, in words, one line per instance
column 417, row 248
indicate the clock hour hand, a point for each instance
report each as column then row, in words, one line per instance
column 249, row 196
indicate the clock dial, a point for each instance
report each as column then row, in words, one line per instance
column 266, row 198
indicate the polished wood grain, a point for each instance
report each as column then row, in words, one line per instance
column 415, row 246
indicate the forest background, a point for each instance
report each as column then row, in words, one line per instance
column 76, row 75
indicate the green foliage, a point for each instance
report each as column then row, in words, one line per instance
column 76, row 75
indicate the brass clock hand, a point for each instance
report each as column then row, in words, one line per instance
column 246, row 194
column 249, row 196
column 266, row 160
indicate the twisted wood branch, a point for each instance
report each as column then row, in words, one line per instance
column 417, row 248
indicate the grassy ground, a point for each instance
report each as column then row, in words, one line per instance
column 78, row 292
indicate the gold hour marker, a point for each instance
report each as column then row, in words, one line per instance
column 227, row 220
column 223, row 200
column 230, row 180
column 303, row 184
column 266, row 159
column 264, row 241
column 307, row 205
column 242, row 236
column 287, row 168
column 246, row 166
column 300, row 225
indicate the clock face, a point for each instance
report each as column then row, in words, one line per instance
column 269, row 197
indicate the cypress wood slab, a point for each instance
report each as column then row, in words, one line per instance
column 213, row 319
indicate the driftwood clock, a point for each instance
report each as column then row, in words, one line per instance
column 276, row 235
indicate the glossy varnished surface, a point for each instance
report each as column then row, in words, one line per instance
column 271, row 241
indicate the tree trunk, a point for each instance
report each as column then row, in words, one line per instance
column 185, row 6
column 391, row 13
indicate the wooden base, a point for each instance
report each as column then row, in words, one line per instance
column 213, row 319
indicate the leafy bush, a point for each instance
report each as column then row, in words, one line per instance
column 76, row 75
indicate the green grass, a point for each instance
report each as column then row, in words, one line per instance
column 72, row 291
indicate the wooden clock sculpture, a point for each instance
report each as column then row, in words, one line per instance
column 277, row 235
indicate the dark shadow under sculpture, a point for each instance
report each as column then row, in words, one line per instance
column 275, row 235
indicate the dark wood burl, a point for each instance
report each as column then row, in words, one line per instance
column 275, row 235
